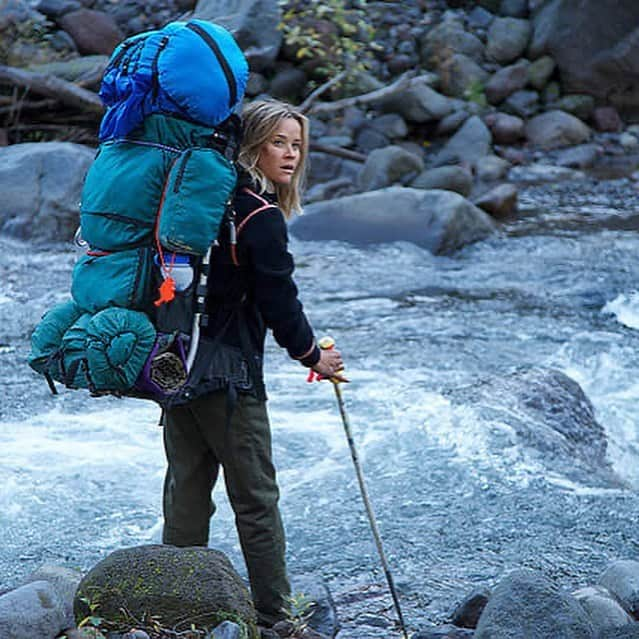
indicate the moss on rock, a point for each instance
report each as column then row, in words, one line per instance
column 176, row 586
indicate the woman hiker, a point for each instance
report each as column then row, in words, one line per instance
column 250, row 290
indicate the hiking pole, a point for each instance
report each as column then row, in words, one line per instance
column 326, row 343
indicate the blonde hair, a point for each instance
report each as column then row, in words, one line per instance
column 260, row 119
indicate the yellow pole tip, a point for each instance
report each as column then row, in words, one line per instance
column 326, row 342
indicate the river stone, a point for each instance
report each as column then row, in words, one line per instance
column 582, row 156
column 538, row 172
column 604, row 611
column 288, row 83
column 540, row 71
column 65, row 582
column 621, row 578
column 417, row 103
column 451, row 123
column 468, row 611
column 94, row 32
column 514, row 8
column 41, row 184
column 174, row 585
column 447, row 38
column 549, row 413
column 56, row 8
column 472, row 142
column 491, row 168
column 506, row 81
column 527, row 604
column 439, row 221
column 607, row 120
column 524, row 103
column 459, row 74
column 627, row 632
column 33, row 610
column 505, row 128
column 555, row 129
column 448, row 178
column 581, row 106
column 75, row 69
column 384, row 167
column 499, row 202
column 254, row 23
column 507, row 39
column 596, row 47
column 226, row 630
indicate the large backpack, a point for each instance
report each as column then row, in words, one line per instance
column 152, row 205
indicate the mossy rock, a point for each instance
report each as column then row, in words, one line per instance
column 175, row 586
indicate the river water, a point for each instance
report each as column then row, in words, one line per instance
column 459, row 498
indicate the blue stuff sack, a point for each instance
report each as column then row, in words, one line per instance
column 193, row 70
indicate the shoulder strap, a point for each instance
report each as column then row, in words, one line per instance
column 265, row 204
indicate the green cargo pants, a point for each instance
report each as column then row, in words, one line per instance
column 197, row 441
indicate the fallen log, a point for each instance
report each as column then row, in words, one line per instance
column 53, row 87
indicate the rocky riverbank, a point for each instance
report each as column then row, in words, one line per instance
column 459, row 109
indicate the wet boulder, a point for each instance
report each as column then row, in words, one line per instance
column 64, row 581
column 41, row 184
column 603, row 609
column 596, row 47
column 176, row 586
column 621, row 578
column 384, row 167
column 500, row 201
column 440, row 221
column 468, row 611
column 33, row 610
column 555, row 129
column 417, row 102
column 507, row 39
column 527, row 604
column 472, row 142
column 449, row 178
column 548, row 412
column 93, row 32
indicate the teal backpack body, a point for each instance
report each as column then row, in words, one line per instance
column 153, row 203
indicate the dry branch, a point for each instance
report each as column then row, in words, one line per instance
column 402, row 83
column 304, row 107
column 53, row 87
column 339, row 152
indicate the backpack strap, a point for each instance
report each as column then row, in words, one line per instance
column 265, row 204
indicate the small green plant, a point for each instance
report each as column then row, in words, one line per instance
column 92, row 619
column 299, row 610
column 327, row 36
column 475, row 93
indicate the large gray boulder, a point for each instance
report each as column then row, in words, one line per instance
column 385, row 167
column 555, row 129
column 65, row 582
column 440, row 221
column 31, row 611
column 41, row 184
column 621, row 578
column 596, row 47
column 507, row 39
column 176, row 586
column 417, row 103
column 527, row 604
column 472, row 142
column 254, row 23
column 604, row 611
column 446, row 39
column 460, row 74
column 547, row 413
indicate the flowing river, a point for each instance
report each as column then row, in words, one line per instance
column 459, row 497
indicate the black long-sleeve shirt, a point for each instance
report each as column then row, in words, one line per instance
column 260, row 291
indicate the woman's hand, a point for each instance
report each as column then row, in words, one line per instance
column 330, row 365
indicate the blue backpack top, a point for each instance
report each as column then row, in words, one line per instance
column 192, row 70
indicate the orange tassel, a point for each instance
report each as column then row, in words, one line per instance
column 167, row 291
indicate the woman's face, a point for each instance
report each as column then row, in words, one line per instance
column 280, row 154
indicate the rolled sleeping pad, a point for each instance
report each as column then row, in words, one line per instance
column 118, row 343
